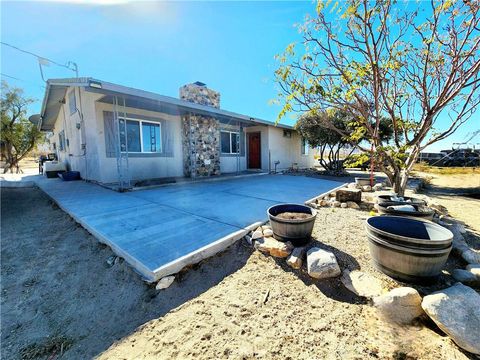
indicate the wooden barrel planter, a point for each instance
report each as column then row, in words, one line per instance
column 292, row 222
column 421, row 212
column 408, row 249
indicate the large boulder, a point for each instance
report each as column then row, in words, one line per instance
column 322, row 264
column 456, row 310
column 344, row 195
column 467, row 277
column 400, row 305
column 362, row 284
column 274, row 247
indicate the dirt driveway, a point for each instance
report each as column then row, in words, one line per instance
column 61, row 300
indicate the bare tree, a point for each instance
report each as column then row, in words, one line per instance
column 409, row 62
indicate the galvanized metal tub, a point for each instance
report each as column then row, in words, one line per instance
column 297, row 231
column 381, row 199
column 408, row 249
column 421, row 212
column 362, row 181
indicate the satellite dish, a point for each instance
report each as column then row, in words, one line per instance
column 35, row 119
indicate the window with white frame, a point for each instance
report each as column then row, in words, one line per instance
column 304, row 146
column 230, row 142
column 72, row 102
column 140, row 136
column 61, row 140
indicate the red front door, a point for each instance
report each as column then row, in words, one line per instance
column 254, row 151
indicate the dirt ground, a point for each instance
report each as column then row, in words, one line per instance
column 61, row 300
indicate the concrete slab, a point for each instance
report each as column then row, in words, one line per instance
column 159, row 231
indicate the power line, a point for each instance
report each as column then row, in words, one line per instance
column 18, row 79
column 70, row 65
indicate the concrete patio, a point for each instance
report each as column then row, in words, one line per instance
column 159, row 231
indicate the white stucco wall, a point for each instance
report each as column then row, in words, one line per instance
column 263, row 130
column 93, row 163
column 73, row 155
column 144, row 166
column 287, row 150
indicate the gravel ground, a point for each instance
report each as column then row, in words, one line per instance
column 240, row 304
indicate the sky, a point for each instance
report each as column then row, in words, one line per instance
column 160, row 46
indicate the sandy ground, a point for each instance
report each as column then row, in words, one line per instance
column 445, row 189
column 61, row 300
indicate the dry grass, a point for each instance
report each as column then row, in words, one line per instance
column 422, row 167
column 51, row 347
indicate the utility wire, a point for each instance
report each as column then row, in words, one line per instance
column 15, row 78
column 70, row 65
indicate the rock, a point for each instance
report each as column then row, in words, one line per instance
column 460, row 228
column 257, row 234
column 274, row 247
column 456, row 311
column 322, row 264
column 440, row 209
column 344, row 195
column 323, row 202
column 332, row 194
column 377, row 187
column 295, row 259
column 352, row 185
column 335, row 203
column 362, row 284
column 401, row 305
column 366, row 188
column 112, row 260
column 461, row 247
column 353, row 205
column 470, row 256
column 343, row 205
column 474, row 268
column 268, row 232
column 165, row 282
column 467, row 277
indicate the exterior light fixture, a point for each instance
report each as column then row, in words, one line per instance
column 95, row 84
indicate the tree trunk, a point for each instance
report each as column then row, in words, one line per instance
column 400, row 179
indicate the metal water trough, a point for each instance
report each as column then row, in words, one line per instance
column 297, row 231
column 421, row 212
column 408, row 249
column 407, row 200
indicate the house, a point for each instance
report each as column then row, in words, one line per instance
column 116, row 134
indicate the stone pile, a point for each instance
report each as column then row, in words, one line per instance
column 349, row 197
column 321, row 264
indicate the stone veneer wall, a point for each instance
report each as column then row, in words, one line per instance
column 200, row 95
column 200, row 134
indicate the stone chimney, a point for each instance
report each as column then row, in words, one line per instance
column 199, row 93
column 200, row 133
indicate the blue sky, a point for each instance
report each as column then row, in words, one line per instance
column 159, row 46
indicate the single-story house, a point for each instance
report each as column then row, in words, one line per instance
column 116, row 134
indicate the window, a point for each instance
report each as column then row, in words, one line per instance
column 151, row 137
column 133, row 136
column 304, row 147
column 61, row 140
column 230, row 142
column 72, row 102
column 141, row 136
